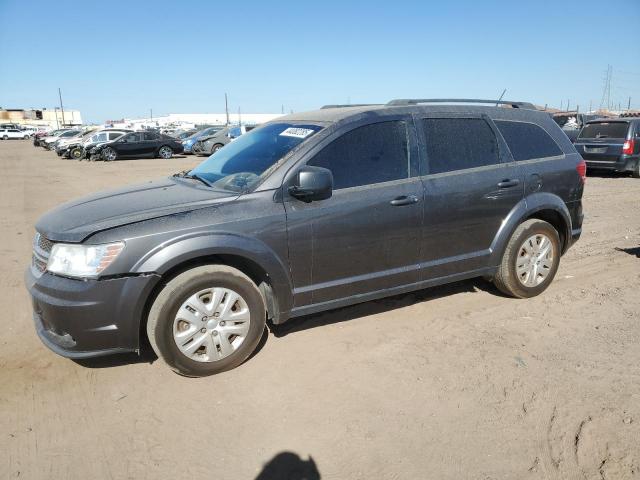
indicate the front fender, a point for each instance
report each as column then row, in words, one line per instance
column 193, row 246
column 524, row 209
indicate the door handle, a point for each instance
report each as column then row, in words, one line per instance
column 404, row 200
column 509, row 183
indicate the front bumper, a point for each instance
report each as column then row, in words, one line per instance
column 88, row 318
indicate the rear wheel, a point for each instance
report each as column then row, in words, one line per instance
column 26, row 137
column 165, row 152
column 109, row 154
column 206, row 320
column 5, row 137
column 216, row 147
column 530, row 260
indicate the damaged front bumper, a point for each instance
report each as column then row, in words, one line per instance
column 88, row 318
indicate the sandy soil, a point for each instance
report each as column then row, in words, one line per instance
column 448, row 383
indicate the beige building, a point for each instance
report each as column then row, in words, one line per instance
column 53, row 118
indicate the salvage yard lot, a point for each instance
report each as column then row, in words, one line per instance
column 448, row 383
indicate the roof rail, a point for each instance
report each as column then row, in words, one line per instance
column 349, row 105
column 416, row 101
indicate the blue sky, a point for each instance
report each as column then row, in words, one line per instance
column 115, row 58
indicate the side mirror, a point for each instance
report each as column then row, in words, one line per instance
column 312, row 184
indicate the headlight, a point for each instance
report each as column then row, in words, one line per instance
column 82, row 260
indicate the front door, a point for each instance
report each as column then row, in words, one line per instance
column 130, row 145
column 365, row 238
column 471, row 184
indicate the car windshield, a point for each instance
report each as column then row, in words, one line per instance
column 239, row 165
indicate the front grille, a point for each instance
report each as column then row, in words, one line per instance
column 41, row 249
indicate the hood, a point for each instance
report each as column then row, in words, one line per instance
column 76, row 220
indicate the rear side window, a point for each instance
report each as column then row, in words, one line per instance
column 151, row 136
column 366, row 155
column 527, row 140
column 605, row 130
column 114, row 135
column 459, row 143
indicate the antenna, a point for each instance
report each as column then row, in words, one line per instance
column 499, row 99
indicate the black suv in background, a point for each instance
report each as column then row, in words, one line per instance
column 307, row 213
column 611, row 144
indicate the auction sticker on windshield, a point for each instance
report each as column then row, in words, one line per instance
column 297, row 132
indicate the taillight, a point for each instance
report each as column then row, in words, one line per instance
column 627, row 147
column 581, row 168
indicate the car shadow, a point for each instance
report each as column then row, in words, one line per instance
column 146, row 355
column 607, row 173
column 383, row 305
column 289, row 466
column 635, row 251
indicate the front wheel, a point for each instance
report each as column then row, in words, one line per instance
column 530, row 260
column 109, row 154
column 206, row 320
column 165, row 152
column 26, row 137
column 5, row 137
column 76, row 153
column 636, row 171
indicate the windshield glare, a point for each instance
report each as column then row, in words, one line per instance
column 240, row 164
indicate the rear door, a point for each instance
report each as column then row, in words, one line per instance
column 470, row 186
column 600, row 143
column 150, row 143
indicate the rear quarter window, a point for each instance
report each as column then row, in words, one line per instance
column 527, row 140
column 605, row 130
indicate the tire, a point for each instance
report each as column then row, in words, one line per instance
column 76, row 153
column 165, row 152
column 519, row 277
column 164, row 322
column 26, row 137
column 636, row 171
column 216, row 147
column 5, row 137
column 108, row 154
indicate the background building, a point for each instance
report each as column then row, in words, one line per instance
column 52, row 118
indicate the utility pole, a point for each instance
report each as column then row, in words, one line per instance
column 226, row 108
column 239, row 117
column 61, row 107
column 151, row 114
column 590, row 105
column 561, row 104
column 567, row 105
column 629, row 104
column 55, row 111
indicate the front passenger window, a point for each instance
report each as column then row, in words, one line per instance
column 366, row 155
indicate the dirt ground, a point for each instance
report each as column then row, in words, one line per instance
column 453, row 382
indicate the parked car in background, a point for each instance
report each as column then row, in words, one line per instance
column 572, row 122
column 40, row 136
column 186, row 134
column 209, row 144
column 13, row 133
column 47, row 142
column 188, row 142
column 611, row 144
column 82, row 151
column 64, row 145
column 148, row 144
column 309, row 212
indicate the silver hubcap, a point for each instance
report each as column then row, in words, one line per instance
column 110, row 154
column 535, row 260
column 211, row 324
column 165, row 152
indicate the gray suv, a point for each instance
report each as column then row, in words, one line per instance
column 310, row 212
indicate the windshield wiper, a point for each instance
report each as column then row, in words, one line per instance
column 186, row 174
